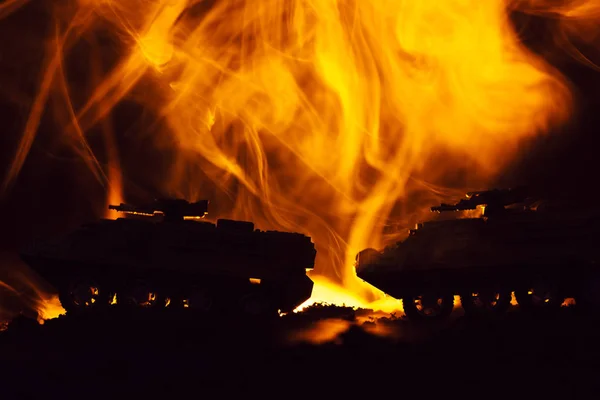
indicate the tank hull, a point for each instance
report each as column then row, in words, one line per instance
column 228, row 260
column 473, row 255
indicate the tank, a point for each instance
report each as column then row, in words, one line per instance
column 494, row 243
column 164, row 255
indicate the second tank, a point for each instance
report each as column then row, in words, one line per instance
column 544, row 250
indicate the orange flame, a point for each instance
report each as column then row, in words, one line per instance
column 317, row 117
column 22, row 292
column 328, row 292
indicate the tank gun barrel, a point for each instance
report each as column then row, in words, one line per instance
column 172, row 209
column 129, row 209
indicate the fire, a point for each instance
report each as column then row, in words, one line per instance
column 323, row 117
column 328, row 292
column 49, row 308
column 22, row 292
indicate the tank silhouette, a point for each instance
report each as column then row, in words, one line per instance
column 543, row 250
column 164, row 255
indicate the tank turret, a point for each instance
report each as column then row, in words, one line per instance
column 542, row 254
column 494, row 201
column 177, row 261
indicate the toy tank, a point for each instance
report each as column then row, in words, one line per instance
column 542, row 250
column 165, row 256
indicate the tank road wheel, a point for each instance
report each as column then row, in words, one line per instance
column 486, row 302
column 83, row 294
column 200, row 300
column 544, row 296
column 428, row 307
column 141, row 294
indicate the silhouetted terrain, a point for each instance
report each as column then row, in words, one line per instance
column 176, row 356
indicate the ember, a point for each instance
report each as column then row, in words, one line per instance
column 324, row 117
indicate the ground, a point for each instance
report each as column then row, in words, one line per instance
column 170, row 355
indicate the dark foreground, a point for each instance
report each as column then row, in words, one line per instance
column 125, row 355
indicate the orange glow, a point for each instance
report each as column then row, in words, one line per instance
column 476, row 213
column 115, row 214
column 20, row 293
column 50, row 308
column 568, row 302
column 193, row 218
column 457, row 302
column 383, row 330
column 328, row 292
column 315, row 116
column 139, row 213
column 513, row 299
column 115, row 195
column 7, row 7
column 321, row 331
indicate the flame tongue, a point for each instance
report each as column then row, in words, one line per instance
column 319, row 115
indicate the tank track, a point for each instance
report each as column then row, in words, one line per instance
column 249, row 297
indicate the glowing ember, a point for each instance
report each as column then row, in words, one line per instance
column 320, row 117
